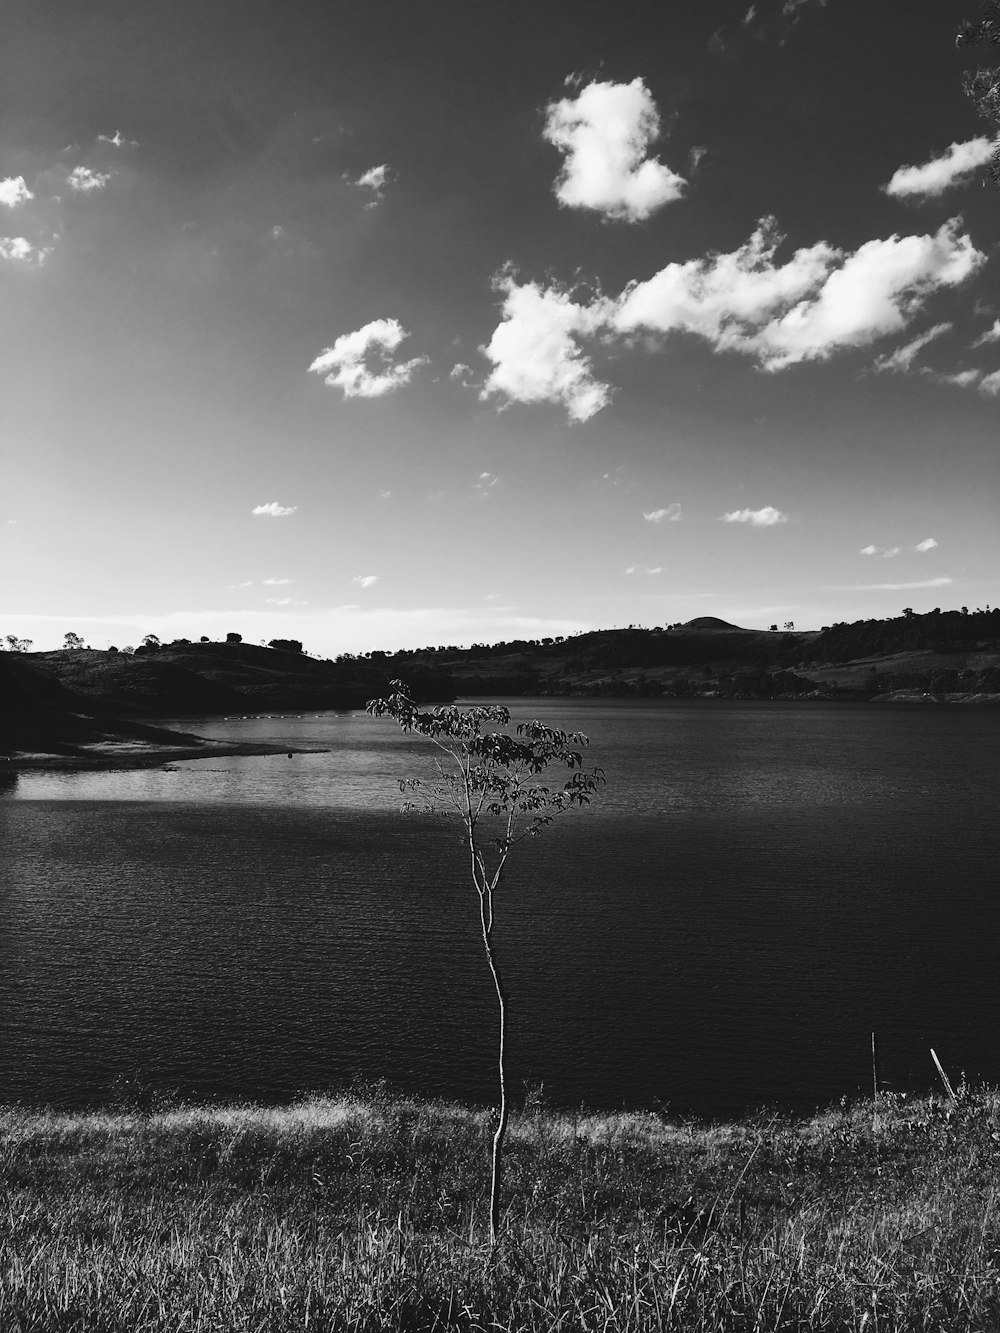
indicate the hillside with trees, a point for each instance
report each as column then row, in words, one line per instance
column 75, row 695
column 937, row 654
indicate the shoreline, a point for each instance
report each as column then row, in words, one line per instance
column 106, row 755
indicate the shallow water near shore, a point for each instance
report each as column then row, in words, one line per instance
column 759, row 887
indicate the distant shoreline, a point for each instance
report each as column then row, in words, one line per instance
column 127, row 755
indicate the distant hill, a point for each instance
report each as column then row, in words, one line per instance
column 937, row 654
column 183, row 679
column 713, row 622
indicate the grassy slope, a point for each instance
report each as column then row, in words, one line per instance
column 368, row 1214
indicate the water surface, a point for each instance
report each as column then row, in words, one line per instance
column 757, row 889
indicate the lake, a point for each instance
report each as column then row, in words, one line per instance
column 757, row 889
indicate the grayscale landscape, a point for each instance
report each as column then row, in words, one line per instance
column 500, row 664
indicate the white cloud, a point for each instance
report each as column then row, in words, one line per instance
column 274, row 583
column 462, row 373
column 903, row 357
column 894, row 587
column 117, row 140
column 654, row 569
column 484, row 483
column 274, row 510
column 534, row 350
column 927, row 544
column 284, row 601
column 724, row 297
column 874, row 292
column 347, row 364
column 605, row 132
column 672, row 514
column 374, row 180
column 819, row 301
column 790, row 7
column 963, row 378
column 365, row 580
column 953, row 167
column 758, row 518
column 14, row 191
column 990, row 384
column 20, row 250
column 887, row 552
column 990, row 336
column 85, row 181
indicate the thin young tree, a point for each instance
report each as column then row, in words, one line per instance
column 493, row 781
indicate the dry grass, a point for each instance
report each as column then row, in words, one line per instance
column 364, row 1213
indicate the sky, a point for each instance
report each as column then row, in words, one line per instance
column 449, row 321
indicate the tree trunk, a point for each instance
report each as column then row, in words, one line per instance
column 501, row 1129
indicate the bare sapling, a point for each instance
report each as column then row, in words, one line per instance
column 493, row 781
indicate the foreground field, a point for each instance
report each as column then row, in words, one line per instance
column 367, row 1213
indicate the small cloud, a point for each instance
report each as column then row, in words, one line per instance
column 953, row 167
column 671, row 514
column 385, row 495
column 927, row 544
column 652, row 569
column 274, row 510
column 963, row 378
column 284, row 601
column 345, row 364
column 19, row 250
column 605, row 132
column 990, row 384
column 894, row 587
column 758, row 518
column 990, row 336
column 749, row 16
column 902, row 358
column 695, row 157
column 790, row 8
column 14, row 191
column 374, row 180
column 85, row 181
column 247, row 583
column 462, row 374
column 278, row 232
column 117, row 140
column 275, row 583
column 887, row 552
column 365, row 580
column 485, row 483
